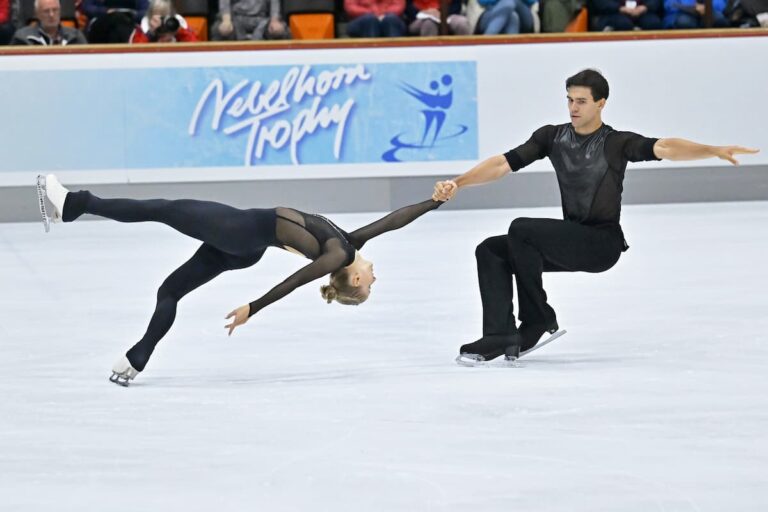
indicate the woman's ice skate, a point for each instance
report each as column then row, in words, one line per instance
column 123, row 372
column 50, row 188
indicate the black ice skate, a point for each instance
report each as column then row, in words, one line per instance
column 511, row 353
column 488, row 348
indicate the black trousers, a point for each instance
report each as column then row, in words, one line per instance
column 232, row 239
column 531, row 247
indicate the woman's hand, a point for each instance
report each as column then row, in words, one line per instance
column 444, row 190
column 240, row 317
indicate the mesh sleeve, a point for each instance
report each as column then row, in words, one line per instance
column 326, row 264
column 535, row 148
column 634, row 147
column 640, row 149
column 394, row 220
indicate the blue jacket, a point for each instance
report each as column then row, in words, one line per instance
column 606, row 7
column 671, row 6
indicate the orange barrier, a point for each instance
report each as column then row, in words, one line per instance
column 312, row 26
column 580, row 23
column 198, row 25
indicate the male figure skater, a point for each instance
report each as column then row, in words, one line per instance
column 589, row 158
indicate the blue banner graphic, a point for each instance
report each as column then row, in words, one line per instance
column 239, row 116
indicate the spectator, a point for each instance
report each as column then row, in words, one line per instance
column 244, row 20
column 625, row 14
column 747, row 13
column 48, row 31
column 9, row 17
column 557, row 14
column 424, row 16
column 690, row 14
column 162, row 25
column 375, row 18
column 93, row 9
column 491, row 17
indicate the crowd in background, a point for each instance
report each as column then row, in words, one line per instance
column 65, row 22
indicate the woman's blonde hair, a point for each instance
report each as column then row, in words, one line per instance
column 342, row 291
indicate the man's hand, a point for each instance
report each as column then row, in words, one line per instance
column 225, row 27
column 728, row 152
column 240, row 317
column 275, row 26
column 154, row 22
column 700, row 8
column 445, row 190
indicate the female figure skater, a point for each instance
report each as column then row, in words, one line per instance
column 233, row 239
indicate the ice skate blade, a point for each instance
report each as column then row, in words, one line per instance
column 41, row 193
column 120, row 379
column 477, row 361
column 552, row 337
column 122, row 372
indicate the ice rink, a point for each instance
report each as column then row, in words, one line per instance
column 655, row 400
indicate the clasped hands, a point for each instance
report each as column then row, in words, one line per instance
column 445, row 190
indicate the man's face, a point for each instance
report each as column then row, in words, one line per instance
column 582, row 107
column 49, row 13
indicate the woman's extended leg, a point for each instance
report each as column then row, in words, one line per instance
column 207, row 263
column 228, row 229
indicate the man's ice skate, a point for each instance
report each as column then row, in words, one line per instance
column 48, row 187
column 532, row 333
column 552, row 337
column 512, row 354
column 488, row 348
column 122, row 372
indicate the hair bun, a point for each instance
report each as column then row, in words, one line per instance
column 329, row 292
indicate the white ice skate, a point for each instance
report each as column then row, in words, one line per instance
column 48, row 187
column 122, row 372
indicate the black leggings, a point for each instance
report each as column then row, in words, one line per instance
column 533, row 246
column 232, row 239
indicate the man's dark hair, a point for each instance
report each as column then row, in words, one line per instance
column 592, row 79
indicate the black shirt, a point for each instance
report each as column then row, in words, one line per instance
column 590, row 168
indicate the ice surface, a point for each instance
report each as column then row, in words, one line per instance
column 656, row 400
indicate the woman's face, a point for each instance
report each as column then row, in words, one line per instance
column 363, row 276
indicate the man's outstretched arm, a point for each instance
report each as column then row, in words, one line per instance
column 488, row 170
column 681, row 149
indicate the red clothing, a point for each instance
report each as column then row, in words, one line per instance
column 423, row 5
column 356, row 8
column 5, row 11
column 183, row 35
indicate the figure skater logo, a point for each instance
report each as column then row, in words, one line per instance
column 437, row 103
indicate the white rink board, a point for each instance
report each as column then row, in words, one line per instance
column 711, row 91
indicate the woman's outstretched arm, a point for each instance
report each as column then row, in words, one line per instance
column 328, row 263
column 392, row 221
